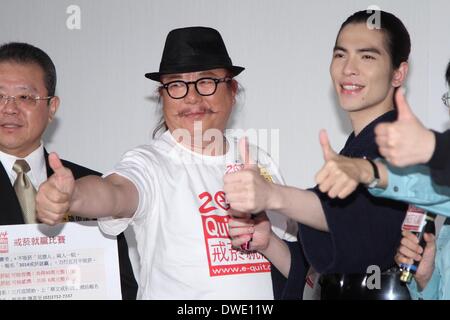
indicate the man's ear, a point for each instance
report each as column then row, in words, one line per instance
column 234, row 86
column 52, row 108
column 400, row 74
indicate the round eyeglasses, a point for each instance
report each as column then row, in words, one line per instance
column 179, row 89
column 446, row 99
column 23, row 100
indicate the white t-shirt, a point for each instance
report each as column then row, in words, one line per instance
column 181, row 225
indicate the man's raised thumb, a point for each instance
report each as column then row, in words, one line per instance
column 55, row 163
column 403, row 108
column 244, row 150
column 328, row 152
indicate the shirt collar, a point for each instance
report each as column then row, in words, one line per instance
column 357, row 146
column 35, row 160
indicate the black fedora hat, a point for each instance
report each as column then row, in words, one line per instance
column 194, row 49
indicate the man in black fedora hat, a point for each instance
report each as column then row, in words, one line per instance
column 171, row 191
column 194, row 49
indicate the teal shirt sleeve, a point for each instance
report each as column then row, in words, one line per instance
column 430, row 292
column 415, row 186
column 438, row 288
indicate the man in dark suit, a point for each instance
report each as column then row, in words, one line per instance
column 27, row 106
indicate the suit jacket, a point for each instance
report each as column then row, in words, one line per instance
column 11, row 213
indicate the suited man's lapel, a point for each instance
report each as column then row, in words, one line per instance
column 10, row 212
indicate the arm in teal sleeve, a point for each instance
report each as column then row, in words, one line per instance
column 430, row 292
column 414, row 185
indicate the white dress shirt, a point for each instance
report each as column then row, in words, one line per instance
column 36, row 161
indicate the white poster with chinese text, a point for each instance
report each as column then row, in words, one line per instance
column 69, row 261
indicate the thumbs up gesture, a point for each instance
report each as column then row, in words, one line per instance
column 244, row 151
column 327, row 150
column 406, row 141
column 246, row 190
column 340, row 175
column 54, row 195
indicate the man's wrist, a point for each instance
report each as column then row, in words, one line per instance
column 266, row 251
column 422, row 281
column 374, row 179
column 365, row 171
column 75, row 201
column 274, row 201
column 428, row 146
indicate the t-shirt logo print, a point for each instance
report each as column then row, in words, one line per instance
column 223, row 260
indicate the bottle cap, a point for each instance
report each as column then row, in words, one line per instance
column 406, row 276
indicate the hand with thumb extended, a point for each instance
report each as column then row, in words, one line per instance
column 404, row 110
column 406, row 141
column 54, row 195
column 328, row 152
column 63, row 177
column 339, row 175
column 246, row 190
column 246, row 157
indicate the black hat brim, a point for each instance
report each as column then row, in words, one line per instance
column 156, row 76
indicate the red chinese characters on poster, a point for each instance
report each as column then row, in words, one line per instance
column 224, row 260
